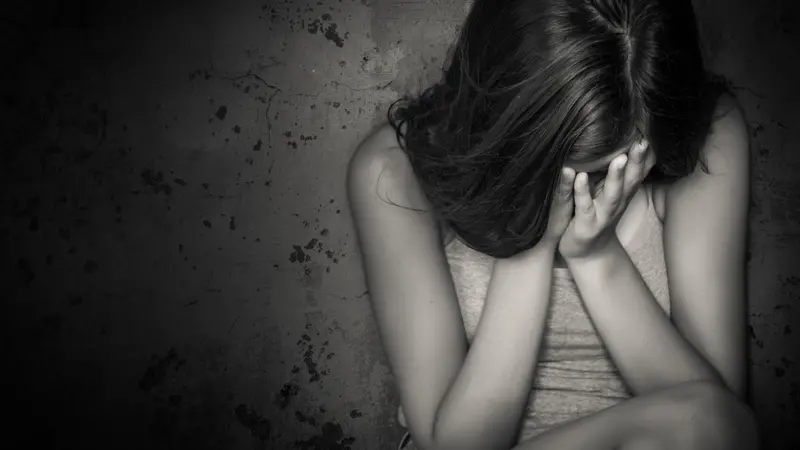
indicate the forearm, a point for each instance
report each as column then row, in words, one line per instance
column 644, row 344
column 484, row 405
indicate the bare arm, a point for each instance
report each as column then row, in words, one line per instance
column 453, row 398
column 650, row 352
column 704, row 249
column 484, row 406
column 706, row 259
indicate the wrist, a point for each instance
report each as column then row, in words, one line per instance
column 542, row 251
column 546, row 246
column 606, row 253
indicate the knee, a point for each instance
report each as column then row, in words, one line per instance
column 715, row 418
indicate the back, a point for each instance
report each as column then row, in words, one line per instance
column 411, row 289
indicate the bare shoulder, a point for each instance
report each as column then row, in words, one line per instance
column 373, row 153
column 728, row 140
column 728, row 108
column 727, row 147
column 726, row 150
column 729, row 133
column 381, row 166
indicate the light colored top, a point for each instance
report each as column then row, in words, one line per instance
column 574, row 374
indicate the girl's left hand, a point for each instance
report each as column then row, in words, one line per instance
column 594, row 225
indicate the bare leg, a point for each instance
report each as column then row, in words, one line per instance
column 691, row 416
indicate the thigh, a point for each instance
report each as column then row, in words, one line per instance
column 694, row 414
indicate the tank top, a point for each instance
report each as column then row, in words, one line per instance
column 575, row 375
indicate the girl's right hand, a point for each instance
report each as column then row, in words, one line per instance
column 561, row 210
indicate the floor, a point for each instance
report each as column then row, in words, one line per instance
column 185, row 271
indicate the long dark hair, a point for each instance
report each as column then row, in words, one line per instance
column 534, row 84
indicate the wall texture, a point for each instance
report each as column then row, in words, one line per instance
column 184, row 272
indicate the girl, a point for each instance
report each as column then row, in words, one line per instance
column 554, row 236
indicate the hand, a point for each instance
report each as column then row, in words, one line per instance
column 561, row 209
column 594, row 225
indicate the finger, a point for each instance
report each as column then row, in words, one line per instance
column 634, row 167
column 614, row 187
column 565, row 188
column 563, row 193
column 639, row 151
column 584, row 203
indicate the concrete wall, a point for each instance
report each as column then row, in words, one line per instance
column 184, row 269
